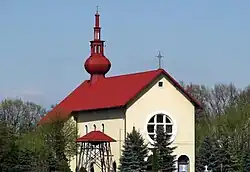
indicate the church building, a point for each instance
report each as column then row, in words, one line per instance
column 105, row 109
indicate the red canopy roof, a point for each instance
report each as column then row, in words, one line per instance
column 95, row 136
column 109, row 92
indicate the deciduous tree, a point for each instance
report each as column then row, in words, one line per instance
column 20, row 116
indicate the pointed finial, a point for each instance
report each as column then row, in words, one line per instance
column 97, row 9
column 159, row 56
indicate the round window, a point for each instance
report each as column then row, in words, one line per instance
column 160, row 120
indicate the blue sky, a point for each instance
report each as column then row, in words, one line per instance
column 44, row 43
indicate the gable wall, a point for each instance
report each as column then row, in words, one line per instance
column 169, row 100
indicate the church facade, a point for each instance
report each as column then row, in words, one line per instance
column 144, row 100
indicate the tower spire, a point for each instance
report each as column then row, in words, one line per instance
column 97, row 28
column 97, row 65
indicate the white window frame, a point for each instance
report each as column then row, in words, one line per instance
column 165, row 114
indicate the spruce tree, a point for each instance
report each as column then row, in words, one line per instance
column 165, row 158
column 226, row 157
column 155, row 163
column 139, row 147
column 134, row 152
column 217, row 156
column 128, row 160
column 206, row 155
column 246, row 161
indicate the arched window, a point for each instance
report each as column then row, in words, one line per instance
column 102, row 127
column 95, row 48
column 160, row 120
column 86, row 129
column 183, row 163
column 99, row 49
column 94, row 127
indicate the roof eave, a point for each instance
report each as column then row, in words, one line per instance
column 99, row 109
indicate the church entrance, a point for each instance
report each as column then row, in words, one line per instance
column 183, row 164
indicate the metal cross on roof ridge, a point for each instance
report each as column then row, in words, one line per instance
column 159, row 56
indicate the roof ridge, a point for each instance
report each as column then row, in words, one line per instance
column 136, row 73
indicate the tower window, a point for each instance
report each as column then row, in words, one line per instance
column 86, row 129
column 94, row 127
column 95, row 49
column 99, row 49
column 160, row 84
column 102, row 127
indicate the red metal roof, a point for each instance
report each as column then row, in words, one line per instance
column 95, row 136
column 109, row 92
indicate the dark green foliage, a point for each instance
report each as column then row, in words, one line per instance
column 5, row 144
column 228, row 121
column 60, row 137
column 83, row 170
column 25, row 160
column 246, row 161
column 133, row 154
column 139, row 147
column 155, row 163
column 217, row 155
column 24, row 147
column 128, row 160
column 164, row 151
column 206, row 155
column 226, row 158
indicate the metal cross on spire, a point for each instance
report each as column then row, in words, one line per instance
column 97, row 9
column 159, row 56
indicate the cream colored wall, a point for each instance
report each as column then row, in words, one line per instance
column 169, row 100
column 113, row 120
column 166, row 99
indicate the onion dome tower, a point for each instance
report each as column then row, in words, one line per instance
column 97, row 65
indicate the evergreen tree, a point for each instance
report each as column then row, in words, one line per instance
column 133, row 154
column 139, row 147
column 128, row 160
column 206, row 155
column 226, row 157
column 217, row 156
column 25, row 160
column 165, row 158
column 155, row 163
column 246, row 161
